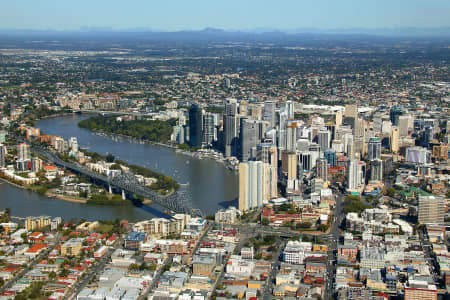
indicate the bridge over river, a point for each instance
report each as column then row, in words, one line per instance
column 127, row 183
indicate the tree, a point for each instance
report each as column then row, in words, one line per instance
column 303, row 225
column 52, row 275
column 323, row 227
column 133, row 267
column 265, row 221
column 110, row 158
column 391, row 192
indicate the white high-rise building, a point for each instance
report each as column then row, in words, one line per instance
column 73, row 144
column 290, row 109
column 418, row 155
column 255, row 184
column 324, row 138
column 355, row 173
column 23, row 152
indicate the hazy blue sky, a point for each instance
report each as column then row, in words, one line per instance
column 228, row 14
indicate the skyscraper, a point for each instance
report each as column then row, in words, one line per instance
column 376, row 170
column 195, row 125
column 395, row 112
column 324, row 138
column 248, row 137
column 322, row 168
column 374, row 148
column 267, row 153
column 231, row 127
column 269, row 113
column 330, row 156
column 23, row 152
column 292, row 128
column 403, row 125
column 428, row 135
column 395, row 140
column 338, row 121
column 3, row 153
column 290, row 110
column 36, row 164
column 353, row 174
column 289, row 164
column 359, row 128
column 209, row 132
column 431, row 209
column 253, row 185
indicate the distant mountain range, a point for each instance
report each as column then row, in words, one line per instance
column 220, row 34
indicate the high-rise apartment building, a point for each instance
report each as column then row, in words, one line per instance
column 289, row 164
column 209, row 130
column 395, row 113
column 330, row 156
column 324, row 138
column 322, row 168
column 249, row 136
column 431, row 209
column 290, row 110
column 403, row 125
column 250, row 185
column 195, row 125
column 231, row 127
column 376, row 170
column 269, row 113
column 355, row 174
column 374, row 148
column 23, row 152
column 395, row 136
column 36, row 164
column 3, row 153
column 359, row 128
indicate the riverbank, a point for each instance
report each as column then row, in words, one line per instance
column 67, row 198
column 205, row 154
column 47, row 193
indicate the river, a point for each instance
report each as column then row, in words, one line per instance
column 210, row 185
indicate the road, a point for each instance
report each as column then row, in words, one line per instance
column 30, row 266
column 80, row 285
column 219, row 279
column 159, row 272
column 332, row 246
column 427, row 249
column 267, row 292
column 155, row 281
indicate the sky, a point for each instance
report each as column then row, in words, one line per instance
column 173, row 15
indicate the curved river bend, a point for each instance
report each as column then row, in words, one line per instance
column 211, row 186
